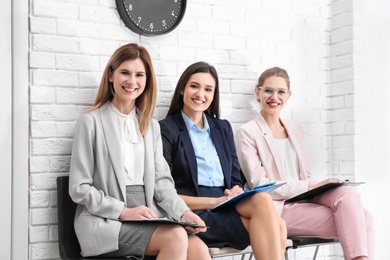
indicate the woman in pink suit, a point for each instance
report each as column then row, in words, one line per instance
column 271, row 149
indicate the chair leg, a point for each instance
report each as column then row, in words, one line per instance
column 315, row 253
column 286, row 255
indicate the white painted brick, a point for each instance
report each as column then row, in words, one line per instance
column 341, row 6
column 53, row 233
column 213, row 27
column 195, row 40
column 344, row 74
column 39, row 234
column 342, row 142
column 341, row 48
column 48, row 113
column 75, row 96
column 106, row 3
column 65, row 129
column 59, row 163
column 305, row 35
column 54, row 78
column 343, row 61
column 43, row 129
column 43, row 182
column 212, row 56
column 227, row 13
column 342, row 34
column 229, row 43
column 43, row 216
column 243, row 88
column 42, row 95
column 43, row 25
column 76, row 28
column 165, row 68
column 57, row 9
column 341, row 88
column 42, row 60
column 99, row 14
column 231, row 72
column 291, row 47
column 342, row 155
column 77, row 62
column 265, row 45
column 90, row 79
column 305, row 8
column 281, row 6
column 294, row 21
column 173, row 53
column 245, row 57
column 44, row 251
column 54, row 43
column 51, row 146
column 260, row 17
column 245, row 29
column 39, row 164
column 343, row 20
column 113, row 32
column 39, row 199
column 277, row 33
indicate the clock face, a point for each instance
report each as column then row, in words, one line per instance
column 151, row 17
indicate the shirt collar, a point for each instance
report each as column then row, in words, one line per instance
column 191, row 125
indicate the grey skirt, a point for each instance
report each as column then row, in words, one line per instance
column 133, row 237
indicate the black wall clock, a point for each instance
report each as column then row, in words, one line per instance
column 151, row 17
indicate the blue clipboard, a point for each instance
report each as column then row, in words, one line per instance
column 261, row 188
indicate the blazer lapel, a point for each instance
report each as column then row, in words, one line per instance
column 268, row 137
column 188, row 148
column 113, row 144
column 218, row 143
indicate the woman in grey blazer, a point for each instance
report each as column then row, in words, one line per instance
column 118, row 171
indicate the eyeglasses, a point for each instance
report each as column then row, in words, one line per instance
column 268, row 92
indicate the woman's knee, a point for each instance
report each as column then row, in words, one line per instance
column 172, row 235
column 262, row 199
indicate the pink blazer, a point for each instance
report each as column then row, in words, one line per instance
column 261, row 162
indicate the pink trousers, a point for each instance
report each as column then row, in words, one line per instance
column 336, row 213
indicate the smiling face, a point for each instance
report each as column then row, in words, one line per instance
column 129, row 81
column 273, row 95
column 198, row 93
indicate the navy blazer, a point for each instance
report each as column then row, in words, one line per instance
column 180, row 155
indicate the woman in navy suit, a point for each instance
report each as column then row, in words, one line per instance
column 199, row 148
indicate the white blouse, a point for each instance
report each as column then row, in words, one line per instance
column 289, row 158
column 132, row 146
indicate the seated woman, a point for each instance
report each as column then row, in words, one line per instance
column 199, row 148
column 118, row 171
column 271, row 149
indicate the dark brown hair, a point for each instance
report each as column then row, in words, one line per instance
column 177, row 99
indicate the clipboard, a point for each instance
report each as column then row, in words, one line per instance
column 165, row 221
column 319, row 190
column 261, row 188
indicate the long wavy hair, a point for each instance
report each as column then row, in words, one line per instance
column 177, row 102
column 146, row 102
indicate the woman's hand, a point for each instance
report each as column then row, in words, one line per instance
column 140, row 212
column 329, row 180
column 190, row 216
column 233, row 191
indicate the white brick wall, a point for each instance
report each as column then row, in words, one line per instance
column 70, row 42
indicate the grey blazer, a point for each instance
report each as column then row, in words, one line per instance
column 96, row 182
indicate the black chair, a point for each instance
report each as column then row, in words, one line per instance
column 69, row 247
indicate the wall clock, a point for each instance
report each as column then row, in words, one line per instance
column 151, row 17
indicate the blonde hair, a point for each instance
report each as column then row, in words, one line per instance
column 146, row 102
column 275, row 71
